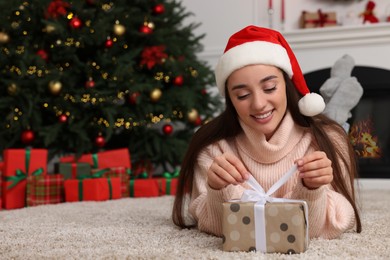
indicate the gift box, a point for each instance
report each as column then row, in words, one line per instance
column 144, row 188
column 74, row 170
column 93, row 189
column 106, row 159
column 18, row 165
column 259, row 222
column 116, row 172
column 152, row 187
column 284, row 227
column 318, row 19
column 47, row 189
column 1, row 178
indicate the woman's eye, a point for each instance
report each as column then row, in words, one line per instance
column 240, row 97
column 270, row 90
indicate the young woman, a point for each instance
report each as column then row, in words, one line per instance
column 270, row 123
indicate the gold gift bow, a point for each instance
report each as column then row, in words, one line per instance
column 260, row 197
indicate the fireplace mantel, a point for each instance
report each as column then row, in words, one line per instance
column 319, row 48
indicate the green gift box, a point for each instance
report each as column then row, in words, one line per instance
column 74, row 170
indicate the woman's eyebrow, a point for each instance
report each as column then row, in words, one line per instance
column 268, row 78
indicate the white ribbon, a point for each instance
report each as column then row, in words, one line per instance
column 261, row 197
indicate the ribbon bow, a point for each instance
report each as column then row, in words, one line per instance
column 259, row 196
column 20, row 175
column 322, row 18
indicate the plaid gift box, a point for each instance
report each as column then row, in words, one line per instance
column 318, row 19
column 94, row 189
column 101, row 160
column 119, row 172
column 18, row 165
column 263, row 223
column 48, row 189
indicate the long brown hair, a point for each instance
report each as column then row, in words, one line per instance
column 226, row 126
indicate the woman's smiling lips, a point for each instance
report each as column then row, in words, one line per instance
column 263, row 117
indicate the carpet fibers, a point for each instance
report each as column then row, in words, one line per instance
column 141, row 228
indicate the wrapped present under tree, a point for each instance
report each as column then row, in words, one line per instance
column 18, row 165
column 45, row 189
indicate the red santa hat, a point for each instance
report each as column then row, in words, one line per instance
column 256, row 45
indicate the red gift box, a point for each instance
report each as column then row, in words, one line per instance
column 167, row 186
column 94, row 189
column 152, row 187
column 1, row 178
column 18, row 165
column 144, row 188
column 120, row 172
column 106, row 159
column 42, row 190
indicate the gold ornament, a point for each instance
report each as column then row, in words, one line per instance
column 192, row 115
column 119, row 29
column 155, row 94
column 12, row 89
column 4, row 38
column 55, row 87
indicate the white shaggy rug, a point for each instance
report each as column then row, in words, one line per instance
column 141, row 228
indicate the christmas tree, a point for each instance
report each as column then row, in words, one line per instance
column 82, row 76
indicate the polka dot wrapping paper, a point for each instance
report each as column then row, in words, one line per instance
column 285, row 227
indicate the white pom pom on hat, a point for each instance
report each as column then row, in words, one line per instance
column 257, row 45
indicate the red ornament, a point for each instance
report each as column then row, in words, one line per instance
column 43, row 54
column 159, row 9
column 167, row 129
column 27, row 136
column 56, row 9
column 203, row 92
column 178, row 81
column 75, row 23
column 90, row 83
column 198, row 121
column 62, row 118
column 100, row 141
column 134, row 97
column 145, row 29
column 109, row 43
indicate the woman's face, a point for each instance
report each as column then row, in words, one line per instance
column 258, row 93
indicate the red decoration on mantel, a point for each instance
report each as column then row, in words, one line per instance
column 368, row 14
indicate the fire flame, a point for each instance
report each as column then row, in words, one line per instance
column 365, row 144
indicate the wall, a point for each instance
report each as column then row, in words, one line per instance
column 221, row 18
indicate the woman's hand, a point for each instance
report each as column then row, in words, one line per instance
column 315, row 169
column 226, row 169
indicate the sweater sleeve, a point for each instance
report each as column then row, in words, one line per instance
column 206, row 203
column 330, row 213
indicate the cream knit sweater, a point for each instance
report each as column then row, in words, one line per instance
column 330, row 214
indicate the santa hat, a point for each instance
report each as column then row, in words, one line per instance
column 256, row 45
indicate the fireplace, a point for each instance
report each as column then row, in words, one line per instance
column 369, row 125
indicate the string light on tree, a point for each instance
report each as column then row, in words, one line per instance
column 12, row 89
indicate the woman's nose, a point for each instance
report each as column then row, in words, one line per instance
column 258, row 101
